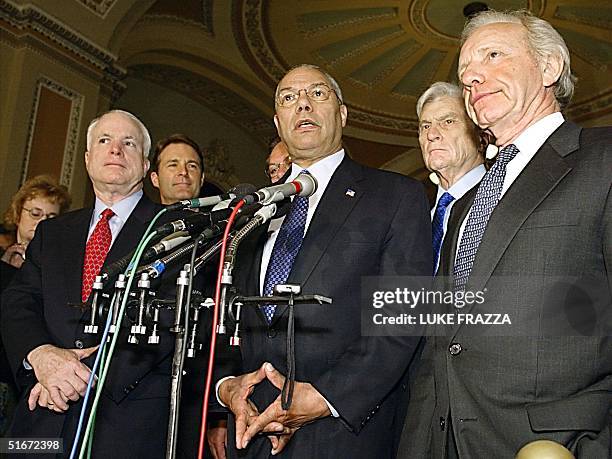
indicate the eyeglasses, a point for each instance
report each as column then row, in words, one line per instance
column 37, row 213
column 318, row 92
column 273, row 168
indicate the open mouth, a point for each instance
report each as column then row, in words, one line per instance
column 306, row 124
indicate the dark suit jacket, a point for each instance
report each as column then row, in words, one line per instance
column 553, row 224
column 384, row 229
column 132, row 415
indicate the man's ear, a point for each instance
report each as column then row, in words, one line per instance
column 551, row 68
column 155, row 179
column 343, row 114
column 276, row 124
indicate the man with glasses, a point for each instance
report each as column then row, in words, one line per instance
column 278, row 162
column 350, row 390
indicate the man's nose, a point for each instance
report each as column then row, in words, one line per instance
column 472, row 75
column 433, row 133
column 303, row 102
column 116, row 147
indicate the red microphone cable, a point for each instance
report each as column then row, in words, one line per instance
column 213, row 338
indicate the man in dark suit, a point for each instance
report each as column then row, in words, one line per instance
column 449, row 142
column 535, row 237
column 42, row 325
column 350, row 389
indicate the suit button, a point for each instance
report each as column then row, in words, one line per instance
column 442, row 423
column 455, row 349
column 272, row 333
column 79, row 344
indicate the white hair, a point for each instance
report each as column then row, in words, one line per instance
column 542, row 39
column 146, row 137
column 437, row 90
column 332, row 82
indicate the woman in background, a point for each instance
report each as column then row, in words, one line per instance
column 39, row 198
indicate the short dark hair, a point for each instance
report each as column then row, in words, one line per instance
column 175, row 138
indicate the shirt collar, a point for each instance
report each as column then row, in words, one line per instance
column 465, row 183
column 322, row 169
column 532, row 138
column 122, row 209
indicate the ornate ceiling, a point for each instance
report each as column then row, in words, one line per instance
column 384, row 53
column 228, row 55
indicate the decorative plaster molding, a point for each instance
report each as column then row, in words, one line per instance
column 72, row 136
column 35, row 22
column 218, row 166
column 98, row 7
column 151, row 18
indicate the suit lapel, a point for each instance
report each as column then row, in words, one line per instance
column 73, row 248
column 132, row 231
column 532, row 186
column 539, row 178
column 458, row 214
column 331, row 213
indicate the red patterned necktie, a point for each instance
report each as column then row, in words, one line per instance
column 95, row 252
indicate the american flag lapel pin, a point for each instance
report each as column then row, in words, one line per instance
column 350, row 193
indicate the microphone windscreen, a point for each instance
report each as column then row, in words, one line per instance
column 242, row 189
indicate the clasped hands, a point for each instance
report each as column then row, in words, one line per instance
column 61, row 376
column 280, row 425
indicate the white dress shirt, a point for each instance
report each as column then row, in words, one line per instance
column 122, row 209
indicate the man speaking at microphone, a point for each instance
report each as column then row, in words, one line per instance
column 42, row 323
column 349, row 393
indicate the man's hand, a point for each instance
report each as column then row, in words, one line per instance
column 40, row 396
column 61, row 373
column 217, row 438
column 234, row 393
column 307, row 406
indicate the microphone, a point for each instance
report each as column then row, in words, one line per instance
column 303, row 185
column 237, row 192
column 169, row 243
column 194, row 223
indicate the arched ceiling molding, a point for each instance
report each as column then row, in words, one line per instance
column 210, row 71
column 127, row 23
column 385, row 53
column 211, row 94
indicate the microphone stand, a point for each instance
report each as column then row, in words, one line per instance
column 184, row 286
column 182, row 282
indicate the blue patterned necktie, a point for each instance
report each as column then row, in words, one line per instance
column 437, row 226
column 286, row 248
column 487, row 197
